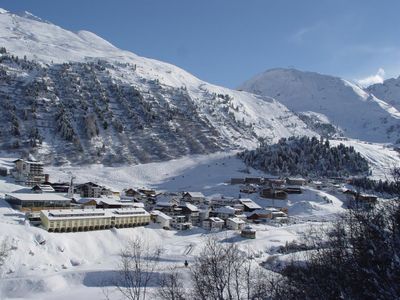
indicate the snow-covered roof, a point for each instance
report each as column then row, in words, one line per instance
column 250, row 203
column 236, row 220
column 190, row 206
column 29, row 161
column 195, row 194
column 44, row 187
column 37, row 197
column 263, row 211
column 248, row 228
column 160, row 214
column 216, row 220
column 225, row 210
column 92, row 213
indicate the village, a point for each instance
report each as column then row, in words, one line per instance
column 72, row 207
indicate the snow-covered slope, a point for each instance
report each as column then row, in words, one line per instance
column 75, row 95
column 389, row 91
column 355, row 112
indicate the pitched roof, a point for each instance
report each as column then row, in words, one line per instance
column 195, row 194
column 250, row 203
column 37, row 197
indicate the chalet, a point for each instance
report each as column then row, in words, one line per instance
column 273, row 193
column 204, row 213
column 235, row 223
column 317, row 184
column 220, row 201
column 248, row 189
column 367, row 198
column 69, row 220
column 254, row 180
column 60, row 187
column 179, row 222
column 131, row 193
column 213, row 223
column 42, row 188
column 92, row 190
column 274, row 181
column 28, row 172
column 190, row 211
column 193, row 197
column 36, row 202
column 237, row 180
column 293, row 190
column 248, row 232
column 360, row 199
column 147, row 192
column 260, row 214
column 160, row 218
column 224, row 212
column 111, row 202
column 249, row 205
column 296, row 181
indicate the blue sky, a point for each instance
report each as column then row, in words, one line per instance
column 227, row 41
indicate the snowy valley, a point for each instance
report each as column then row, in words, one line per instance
column 91, row 134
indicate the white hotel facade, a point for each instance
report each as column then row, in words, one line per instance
column 72, row 220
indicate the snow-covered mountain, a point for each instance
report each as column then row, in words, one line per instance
column 389, row 91
column 324, row 100
column 76, row 97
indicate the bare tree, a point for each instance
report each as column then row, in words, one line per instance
column 222, row 271
column 138, row 264
column 170, row 286
column 4, row 251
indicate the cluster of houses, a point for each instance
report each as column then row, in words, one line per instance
column 69, row 207
column 270, row 187
column 280, row 188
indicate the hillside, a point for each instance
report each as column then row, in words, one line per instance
column 306, row 157
column 75, row 97
column 330, row 103
column 388, row 91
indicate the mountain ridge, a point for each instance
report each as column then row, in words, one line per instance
column 355, row 112
column 113, row 106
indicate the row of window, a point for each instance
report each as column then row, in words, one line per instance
column 97, row 222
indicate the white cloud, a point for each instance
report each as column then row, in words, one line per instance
column 300, row 35
column 372, row 79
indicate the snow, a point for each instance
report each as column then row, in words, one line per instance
column 357, row 113
column 381, row 157
column 389, row 91
column 47, row 265
column 240, row 125
column 41, row 196
column 83, row 261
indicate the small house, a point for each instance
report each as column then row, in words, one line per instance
column 213, row 223
column 296, row 181
column 224, row 212
column 273, row 193
column 249, row 205
column 179, row 222
column 160, row 218
column 193, row 197
column 42, row 188
column 191, row 212
column 248, row 189
column 248, row 232
column 235, row 223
